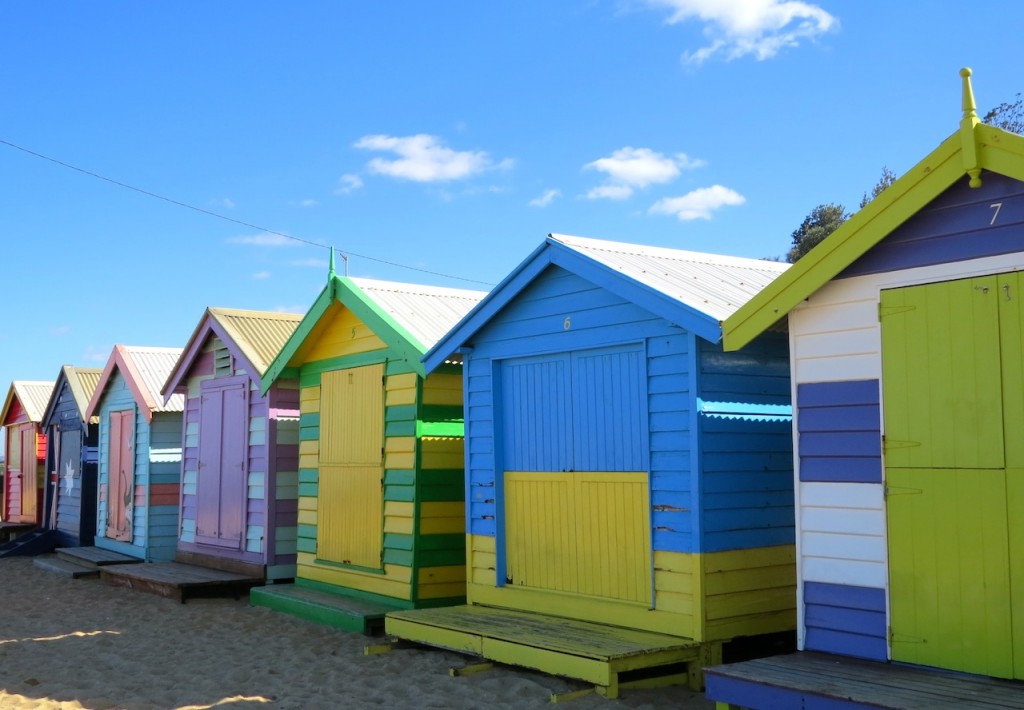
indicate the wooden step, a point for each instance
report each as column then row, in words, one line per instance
column 61, row 566
column 336, row 610
column 91, row 556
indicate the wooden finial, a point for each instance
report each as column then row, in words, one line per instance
column 330, row 268
column 970, row 108
column 968, row 140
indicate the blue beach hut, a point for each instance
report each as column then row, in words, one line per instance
column 622, row 470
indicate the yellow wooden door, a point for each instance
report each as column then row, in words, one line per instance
column 579, row 532
column 29, row 473
column 350, row 500
column 954, row 417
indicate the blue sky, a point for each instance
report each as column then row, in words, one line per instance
column 446, row 136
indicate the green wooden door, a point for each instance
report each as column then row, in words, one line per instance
column 953, row 424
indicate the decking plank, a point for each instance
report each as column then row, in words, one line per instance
column 96, row 556
column 863, row 683
column 594, row 653
column 337, row 610
column 178, row 581
column 579, row 638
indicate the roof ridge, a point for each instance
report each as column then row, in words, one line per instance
column 593, row 244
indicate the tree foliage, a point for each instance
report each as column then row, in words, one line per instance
column 888, row 178
column 1008, row 115
column 821, row 222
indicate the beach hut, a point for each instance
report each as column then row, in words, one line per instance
column 907, row 342
column 139, row 454
column 70, row 499
column 628, row 483
column 25, row 447
column 240, row 468
column 380, row 522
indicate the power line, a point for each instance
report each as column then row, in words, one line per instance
column 250, row 225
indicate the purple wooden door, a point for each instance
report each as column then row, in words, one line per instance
column 221, row 483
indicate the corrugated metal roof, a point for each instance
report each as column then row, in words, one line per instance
column 154, row 365
column 82, row 382
column 713, row 284
column 427, row 312
column 34, row 396
column 259, row 334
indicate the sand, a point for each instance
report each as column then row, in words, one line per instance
column 84, row 644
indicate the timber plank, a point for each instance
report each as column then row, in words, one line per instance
column 178, row 581
column 859, row 683
column 336, row 610
column 95, row 556
column 581, row 638
column 591, row 652
column 53, row 563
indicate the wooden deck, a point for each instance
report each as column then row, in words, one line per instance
column 178, row 581
column 814, row 681
column 10, row 530
column 337, row 610
column 605, row 656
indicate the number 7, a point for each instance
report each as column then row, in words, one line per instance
column 996, row 206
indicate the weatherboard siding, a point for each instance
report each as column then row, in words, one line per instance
column 945, row 231
column 746, row 462
column 840, row 431
column 271, row 429
column 846, row 620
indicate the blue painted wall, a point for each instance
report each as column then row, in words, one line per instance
column 947, row 229
column 846, row 620
column 567, row 341
column 840, row 431
column 746, row 456
column 76, row 510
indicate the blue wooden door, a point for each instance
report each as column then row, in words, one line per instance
column 69, row 481
column 576, row 499
column 221, row 480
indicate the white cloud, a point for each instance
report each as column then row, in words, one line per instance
column 698, row 204
column 423, row 158
column 628, row 168
column 264, row 240
column 291, row 309
column 545, row 199
column 60, row 330
column 609, row 192
column 348, row 183
column 224, row 202
column 308, row 202
column 261, row 275
column 737, row 28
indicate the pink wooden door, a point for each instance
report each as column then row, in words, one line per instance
column 29, row 473
column 120, row 476
column 221, row 485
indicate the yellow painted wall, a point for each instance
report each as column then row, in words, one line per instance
column 339, row 332
column 442, row 389
column 712, row 597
